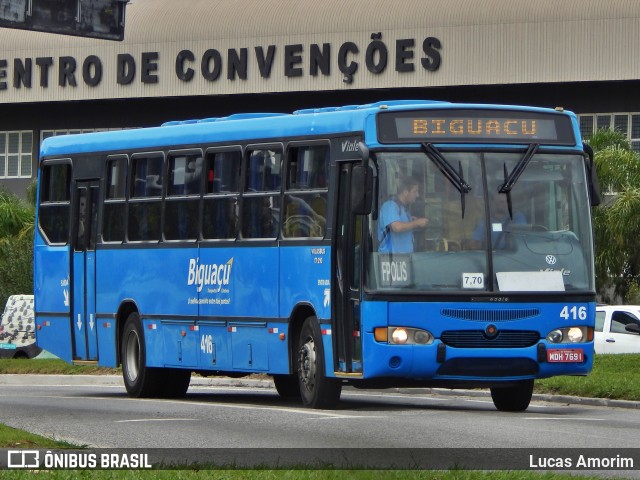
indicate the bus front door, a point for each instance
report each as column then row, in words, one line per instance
column 346, row 293
column 83, row 270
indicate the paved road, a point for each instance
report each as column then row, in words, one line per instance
column 95, row 411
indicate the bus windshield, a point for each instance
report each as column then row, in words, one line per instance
column 463, row 221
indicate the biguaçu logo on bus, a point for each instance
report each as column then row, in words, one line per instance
column 216, row 275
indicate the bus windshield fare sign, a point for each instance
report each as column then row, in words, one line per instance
column 474, row 126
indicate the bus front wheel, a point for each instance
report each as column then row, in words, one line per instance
column 317, row 391
column 139, row 380
column 515, row 398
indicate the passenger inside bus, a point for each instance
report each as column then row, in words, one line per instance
column 396, row 225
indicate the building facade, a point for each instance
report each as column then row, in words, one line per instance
column 208, row 58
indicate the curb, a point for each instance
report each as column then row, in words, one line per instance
column 116, row 380
column 542, row 397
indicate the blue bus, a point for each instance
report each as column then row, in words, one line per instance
column 401, row 243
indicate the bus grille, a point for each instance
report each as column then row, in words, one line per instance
column 478, row 339
column 490, row 315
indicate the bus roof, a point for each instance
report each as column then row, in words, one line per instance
column 251, row 126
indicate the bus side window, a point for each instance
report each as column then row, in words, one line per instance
column 305, row 201
column 145, row 203
column 181, row 215
column 114, row 203
column 220, row 216
column 55, row 202
column 261, row 198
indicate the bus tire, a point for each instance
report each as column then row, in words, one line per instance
column 139, row 380
column 515, row 398
column 175, row 382
column 316, row 390
column 287, row 386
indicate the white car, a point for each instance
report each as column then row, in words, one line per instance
column 617, row 329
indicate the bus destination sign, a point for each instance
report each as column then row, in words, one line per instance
column 474, row 126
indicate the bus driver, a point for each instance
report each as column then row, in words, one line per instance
column 396, row 225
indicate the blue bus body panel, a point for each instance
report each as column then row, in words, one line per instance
column 305, row 274
column 208, row 308
column 150, row 277
column 52, row 294
column 419, row 361
column 106, row 331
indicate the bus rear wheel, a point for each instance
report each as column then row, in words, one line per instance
column 515, row 398
column 317, row 391
column 139, row 380
column 287, row 386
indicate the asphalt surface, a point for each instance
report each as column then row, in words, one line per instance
column 12, row 379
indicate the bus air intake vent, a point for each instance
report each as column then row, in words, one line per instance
column 490, row 315
column 478, row 339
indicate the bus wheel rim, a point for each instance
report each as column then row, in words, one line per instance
column 308, row 364
column 132, row 356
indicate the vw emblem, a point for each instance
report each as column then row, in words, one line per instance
column 491, row 332
column 551, row 260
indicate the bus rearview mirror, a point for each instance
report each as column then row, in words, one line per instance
column 361, row 189
column 592, row 177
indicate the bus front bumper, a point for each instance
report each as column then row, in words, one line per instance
column 439, row 362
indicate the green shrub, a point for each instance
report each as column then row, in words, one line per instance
column 16, row 267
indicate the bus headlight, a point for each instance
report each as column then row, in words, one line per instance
column 570, row 335
column 575, row 335
column 555, row 336
column 402, row 336
column 399, row 335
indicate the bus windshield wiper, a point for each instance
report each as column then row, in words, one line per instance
column 456, row 178
column 510, row 179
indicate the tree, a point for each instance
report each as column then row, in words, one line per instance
column 16, row 245
column 16, row 216
column 617, row 220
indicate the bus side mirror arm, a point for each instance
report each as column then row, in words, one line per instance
column 592, row 176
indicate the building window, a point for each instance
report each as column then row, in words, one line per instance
column 16, row 154
column 625, row 123
column 54, row 133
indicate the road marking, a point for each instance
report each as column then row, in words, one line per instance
column 158, row 420
column 301, row 410
column 581, row 419
column 404, row 396
column 350, row 417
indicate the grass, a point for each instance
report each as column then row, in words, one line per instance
column 613, row 376
column 14, row 438
column 298, row 475
column 51, row 367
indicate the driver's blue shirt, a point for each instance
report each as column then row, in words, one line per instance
column 392, row 242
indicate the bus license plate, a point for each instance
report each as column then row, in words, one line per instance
column 569, row 355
